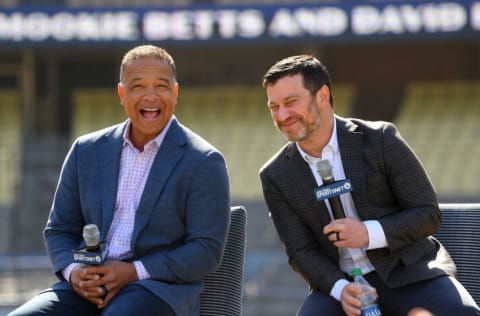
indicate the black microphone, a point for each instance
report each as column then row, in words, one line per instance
column 95, row 251
column 91, row 236
column 325, row 170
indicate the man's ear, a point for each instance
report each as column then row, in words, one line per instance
column 121, row 92
column 323, row 95
column 175, row 89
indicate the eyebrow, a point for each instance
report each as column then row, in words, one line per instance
column 285, row 99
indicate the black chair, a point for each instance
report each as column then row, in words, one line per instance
column 223, row 294
column 460, row 234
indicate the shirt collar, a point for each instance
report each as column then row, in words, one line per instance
column 332, row 146
column 158, row 140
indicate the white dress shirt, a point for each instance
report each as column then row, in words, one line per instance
column 349, row 258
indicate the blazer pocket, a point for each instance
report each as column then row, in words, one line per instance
column 421, row 251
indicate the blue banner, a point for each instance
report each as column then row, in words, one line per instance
column 347, row 20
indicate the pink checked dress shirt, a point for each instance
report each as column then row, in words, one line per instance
column 134, row 169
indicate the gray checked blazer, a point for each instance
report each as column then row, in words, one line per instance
column 389, row 185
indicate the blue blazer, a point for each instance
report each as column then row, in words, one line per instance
column 181, row 221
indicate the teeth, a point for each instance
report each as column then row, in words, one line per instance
column 150, row 110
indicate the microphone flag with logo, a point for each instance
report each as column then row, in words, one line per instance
column 95, row 251
column 330, row 189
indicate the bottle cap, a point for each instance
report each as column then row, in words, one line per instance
column 356, row 272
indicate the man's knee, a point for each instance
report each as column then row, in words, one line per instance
column 319, row 302
column 136, row 300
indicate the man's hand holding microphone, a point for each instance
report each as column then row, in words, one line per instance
column 342, row 231
column 94, row 279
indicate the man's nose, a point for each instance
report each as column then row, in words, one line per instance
column 150, row 93
column 283, row 113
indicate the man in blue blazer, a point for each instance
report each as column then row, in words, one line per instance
column 159, row 194
column 390, row 216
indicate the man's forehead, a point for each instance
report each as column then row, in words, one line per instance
column 148, row 68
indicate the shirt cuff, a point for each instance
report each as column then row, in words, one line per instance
column 67, row 271
column 337, row 289
column 376, row 235
column 142, row 273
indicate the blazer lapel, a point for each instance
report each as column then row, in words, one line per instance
column 167, row 158
column 301, row 178
column 351, row 147
column 110, row 153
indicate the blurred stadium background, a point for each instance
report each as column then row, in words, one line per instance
column 415, row 63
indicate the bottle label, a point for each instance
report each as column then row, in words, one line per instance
column 371, row 310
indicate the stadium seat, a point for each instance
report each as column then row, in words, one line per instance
column 439, row 119
column 236, row 120
column 94, row 109
column 223, row 294
column 10, row 145
column 460, row 234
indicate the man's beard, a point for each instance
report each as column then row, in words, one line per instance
column 307, row 128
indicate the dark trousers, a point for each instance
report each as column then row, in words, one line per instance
column 442, row 296
column 132, row 300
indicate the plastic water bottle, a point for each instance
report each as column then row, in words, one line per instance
column 369, row 301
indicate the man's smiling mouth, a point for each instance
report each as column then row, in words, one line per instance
column 150, row 113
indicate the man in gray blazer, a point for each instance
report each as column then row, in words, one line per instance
column 159, row 194
column 390, row 215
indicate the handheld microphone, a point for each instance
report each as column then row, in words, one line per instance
column 95, row 251
column 325, row 170
column 91, row 236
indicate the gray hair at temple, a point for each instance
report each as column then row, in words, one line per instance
column 147, row 51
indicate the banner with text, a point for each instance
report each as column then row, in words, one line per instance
column 349, row 20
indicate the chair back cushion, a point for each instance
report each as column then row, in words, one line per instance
column 223, row 294
column 460, row 234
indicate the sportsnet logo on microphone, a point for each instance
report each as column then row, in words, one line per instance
column 333, row 189
column 87, row 258
column 83, row 255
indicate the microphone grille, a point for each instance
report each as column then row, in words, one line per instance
column 91, row 235
column 325, row 169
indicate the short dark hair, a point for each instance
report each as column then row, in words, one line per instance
column 315, row 74
column 147, row 51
